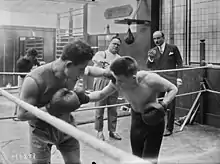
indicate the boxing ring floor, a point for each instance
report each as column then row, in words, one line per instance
column 195, row 144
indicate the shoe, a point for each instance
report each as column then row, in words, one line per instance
column 114, row 135
column 101, row 136
column 167, row 133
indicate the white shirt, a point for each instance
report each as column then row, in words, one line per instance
column 99, row 58
column 162, row 47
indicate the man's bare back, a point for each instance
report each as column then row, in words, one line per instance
column 140, row 88
column 140, row 93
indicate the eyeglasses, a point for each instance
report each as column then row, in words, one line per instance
column 116, row 44
column 157, row 37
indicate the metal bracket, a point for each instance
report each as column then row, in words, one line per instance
column 132, row 21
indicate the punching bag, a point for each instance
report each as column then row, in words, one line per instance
column 129, row 37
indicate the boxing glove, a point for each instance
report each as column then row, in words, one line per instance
column 154, row 113
column 63, row 101
column 83, row 98
column 151, row 55
column 108, row 74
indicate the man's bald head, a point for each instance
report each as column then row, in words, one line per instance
column 158, row 37
column 158, row 33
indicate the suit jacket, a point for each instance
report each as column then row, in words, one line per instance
column 170, row 59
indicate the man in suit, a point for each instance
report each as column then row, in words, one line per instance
column 166, row 56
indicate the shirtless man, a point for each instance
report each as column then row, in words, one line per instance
column 140, row 88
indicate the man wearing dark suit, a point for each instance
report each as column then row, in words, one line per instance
column 166, row 56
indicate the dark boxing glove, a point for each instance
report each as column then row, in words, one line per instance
column 108, row 74
column 63, row 101
column 83, row 98
column 154, row 113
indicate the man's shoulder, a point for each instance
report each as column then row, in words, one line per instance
column 118, row 56
column 141, row 75
column 146, row 76
column 99, row 53
column 42, row 75
column 39, row 71
column 22, row 60
column 171, row 45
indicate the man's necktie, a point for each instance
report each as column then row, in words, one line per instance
column 160, row 49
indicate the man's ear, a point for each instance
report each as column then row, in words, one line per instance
column 68, row 63
column 135, row 78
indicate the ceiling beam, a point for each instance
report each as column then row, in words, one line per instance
column 92, row 2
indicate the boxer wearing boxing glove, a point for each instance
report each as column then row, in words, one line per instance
column 82, row 96
column 66, row 101
column 108, row 74
column 38, row 89
column 154, row 113
column 141, row 89
column 63, row 101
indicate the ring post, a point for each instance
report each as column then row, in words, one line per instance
column 203, row 99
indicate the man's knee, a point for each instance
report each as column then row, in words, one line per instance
column 71, row 156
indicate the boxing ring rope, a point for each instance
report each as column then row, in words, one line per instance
column 115, row 105
column 179, row 69
column 211, row 91
column 121, row 104
column 12, row 73
column 101, row 146
column 155, row 71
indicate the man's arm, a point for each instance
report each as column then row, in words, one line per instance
column 21, row 65
column 98, row 72
column 29, row 93
column 162, row 85
column 102, row 94
column 94, row 71
column 179, row 61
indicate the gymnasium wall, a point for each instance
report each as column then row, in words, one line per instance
column 9, row 48
column 186, row 22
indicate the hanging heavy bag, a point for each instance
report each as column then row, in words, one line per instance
column 129, row 37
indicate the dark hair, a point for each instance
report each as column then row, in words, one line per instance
column 32, row 52
column 78, row 52
column 162, row 34
column 125, row 65
column 116, row 36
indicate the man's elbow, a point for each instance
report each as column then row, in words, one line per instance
column 22, row 115
column 175, row 89
column 96, row 96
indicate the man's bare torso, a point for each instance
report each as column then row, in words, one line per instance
column 140, row 94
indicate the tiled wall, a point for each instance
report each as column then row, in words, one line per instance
column 204, row 25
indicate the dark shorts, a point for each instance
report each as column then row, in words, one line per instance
column 145, row 139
